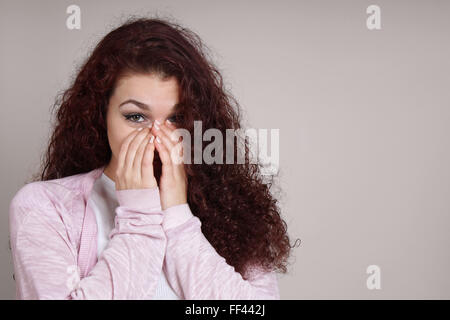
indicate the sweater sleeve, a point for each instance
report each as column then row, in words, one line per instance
column 196, row 271
column 45, row 258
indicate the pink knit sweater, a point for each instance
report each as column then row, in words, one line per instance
column 54, row 244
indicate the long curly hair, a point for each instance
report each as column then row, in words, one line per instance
column 240, row 215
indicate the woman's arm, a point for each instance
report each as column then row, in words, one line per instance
column 196, row 271
column 45, row 258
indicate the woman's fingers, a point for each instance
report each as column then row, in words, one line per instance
column 130, row 158
column 137, row 162
column 170, row 139
column 133, row 146
column 176, row 153
column 147, row 162
column 169, row 128
column 164, row 155
column 173, row 183
column 163, row 145
column 122, row 171
column 164, row 133
column 172, row 151
column 124, row 149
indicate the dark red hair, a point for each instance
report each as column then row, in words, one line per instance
column 239, row 214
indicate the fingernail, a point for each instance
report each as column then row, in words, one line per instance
column 156, row 126
column 158, row 139
column 157, row 122
column 150, row 125
column 139, row 129
column 151, row 139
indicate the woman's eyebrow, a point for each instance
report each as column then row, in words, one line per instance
column 143, row 105
column 137, row 103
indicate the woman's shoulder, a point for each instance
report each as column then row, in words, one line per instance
column 49, row 195
column 37, row 192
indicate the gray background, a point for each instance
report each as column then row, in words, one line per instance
column 363, row 118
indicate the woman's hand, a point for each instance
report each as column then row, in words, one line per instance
column 173, row 182
column 135, row 163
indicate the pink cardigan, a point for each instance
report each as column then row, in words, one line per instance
column 53, row 234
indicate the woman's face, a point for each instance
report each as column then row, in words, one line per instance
column 137, row 101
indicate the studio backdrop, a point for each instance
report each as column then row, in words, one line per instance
column 356, row 94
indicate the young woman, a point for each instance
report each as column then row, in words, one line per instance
column 113, row 216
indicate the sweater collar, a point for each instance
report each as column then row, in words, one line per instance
column 88, row 243
column 90, row 178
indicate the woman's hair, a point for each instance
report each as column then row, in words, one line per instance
column 240, row 216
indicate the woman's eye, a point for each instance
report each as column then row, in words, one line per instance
column 175, row 118
column 134, row 117
column 172, row 119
